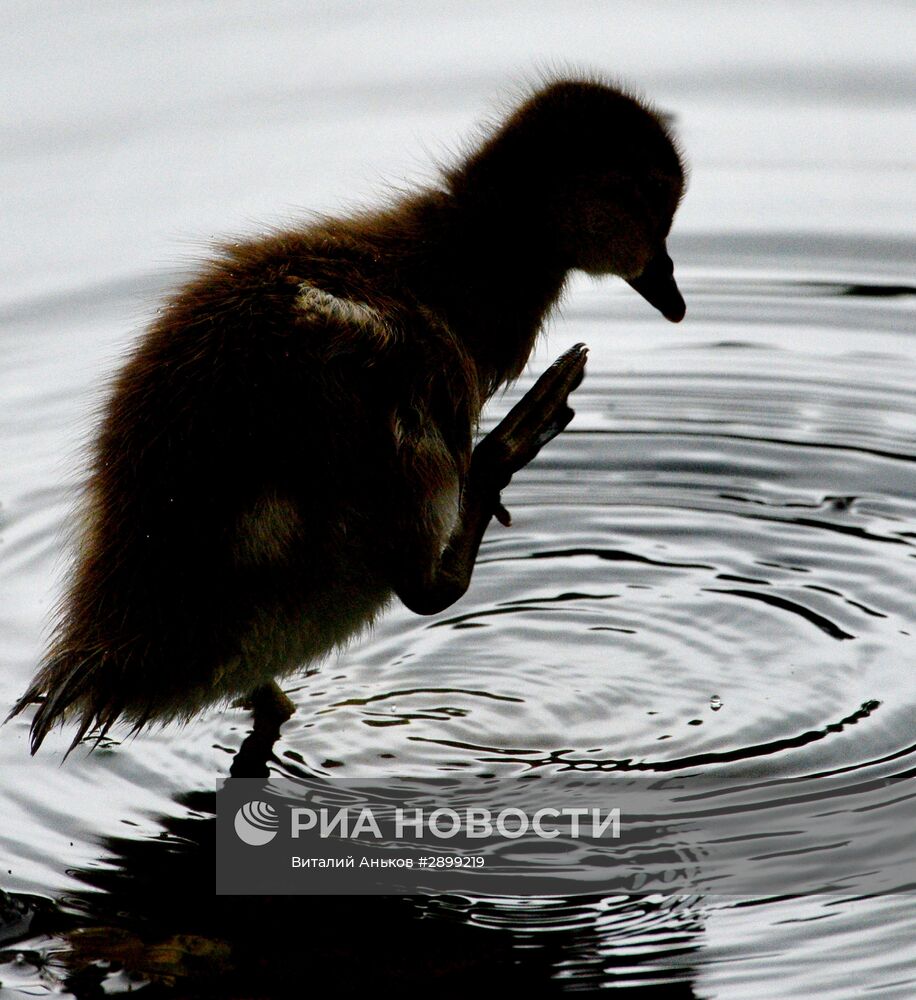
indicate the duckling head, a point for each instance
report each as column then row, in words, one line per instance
column 592, row 175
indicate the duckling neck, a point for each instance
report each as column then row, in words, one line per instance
column 490, row 274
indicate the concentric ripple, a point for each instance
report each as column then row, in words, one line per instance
column 715, row 563
column 709, row 577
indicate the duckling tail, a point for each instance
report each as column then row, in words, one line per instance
column 66, row 680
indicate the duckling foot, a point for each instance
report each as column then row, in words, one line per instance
column 539, row 416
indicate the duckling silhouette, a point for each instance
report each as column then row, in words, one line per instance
column 292, row 441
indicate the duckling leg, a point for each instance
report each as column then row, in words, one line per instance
column 270, row 709
column 268, row 702
column 428, row 582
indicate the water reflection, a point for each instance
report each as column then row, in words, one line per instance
column 149, row 907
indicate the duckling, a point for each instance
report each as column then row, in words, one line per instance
column 291, row 443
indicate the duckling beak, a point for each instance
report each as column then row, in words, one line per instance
column 657, row 286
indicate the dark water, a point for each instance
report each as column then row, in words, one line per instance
column 709, row 576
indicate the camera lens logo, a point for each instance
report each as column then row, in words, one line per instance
column 256, row 823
